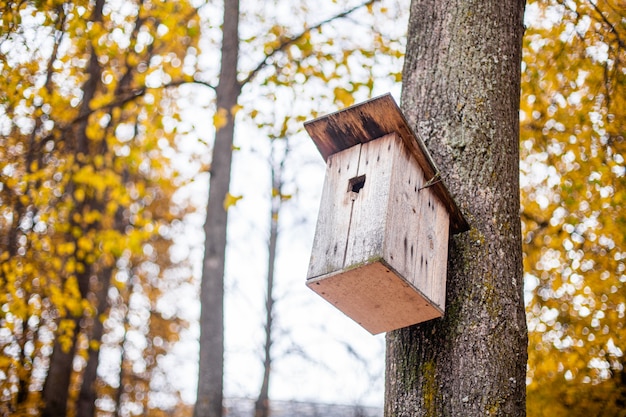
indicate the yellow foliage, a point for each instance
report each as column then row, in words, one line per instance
column 220, row 118
column 573, row 119
column 94, row 345
column 230, row 200
column 85, row 243
column 343, row 96
column 75, row 200
column 235, row 109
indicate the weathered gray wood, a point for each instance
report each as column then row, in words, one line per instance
column 367, row 230
column 333, row 223
column 371, row 120
column 416, row 238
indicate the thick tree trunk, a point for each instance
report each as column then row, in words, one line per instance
column 461, row 94
column 211, row 364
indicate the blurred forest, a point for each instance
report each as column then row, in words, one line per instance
column 103, row 107
column 573, row 127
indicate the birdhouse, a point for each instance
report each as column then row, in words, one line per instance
column 381, row 243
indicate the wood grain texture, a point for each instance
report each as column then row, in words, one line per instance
column 371, row 120
column 333, row 221
column 369, row 215
column 416, row 237
column 364, row 295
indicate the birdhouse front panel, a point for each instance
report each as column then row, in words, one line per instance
column 351, row 220
column 378, row 238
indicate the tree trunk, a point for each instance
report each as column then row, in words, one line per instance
column 56, row 387
column 461, row 83
column 262, row 406
column 211, row 364
column 86, row 402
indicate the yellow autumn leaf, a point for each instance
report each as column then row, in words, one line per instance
column 94, row 345
column 85, row 243
column 230, row 200
column 5, row 362
column 220, row 118
column 344, row 96
column 79, row 195
column 235, row 109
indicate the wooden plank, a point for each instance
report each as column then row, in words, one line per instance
column 367, row 229
column 376, row 297
column 333, row 221
column 373, row 119
column 416, row 238
column 440, row 231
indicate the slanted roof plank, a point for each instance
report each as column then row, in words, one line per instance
column 371, row 120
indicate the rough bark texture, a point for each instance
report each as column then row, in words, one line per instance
column 461, row 86
column 211, row 365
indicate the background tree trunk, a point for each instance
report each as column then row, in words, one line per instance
column 461, row 84
column 277, row 170
column 55, row 393
column 211, row 364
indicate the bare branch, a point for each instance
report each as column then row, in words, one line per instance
column 129, row 97
column 292, row 40
column 611, row 26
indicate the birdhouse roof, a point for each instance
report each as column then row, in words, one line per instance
column 371, row 120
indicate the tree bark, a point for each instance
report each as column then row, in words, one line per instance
column 461, row 83
column 211, row 361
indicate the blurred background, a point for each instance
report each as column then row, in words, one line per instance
column 109, row 113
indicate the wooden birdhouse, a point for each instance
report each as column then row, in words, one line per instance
column 381, row 244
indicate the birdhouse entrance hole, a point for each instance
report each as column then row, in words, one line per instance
column 356, row 184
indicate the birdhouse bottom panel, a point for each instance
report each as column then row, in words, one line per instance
column 375, row 296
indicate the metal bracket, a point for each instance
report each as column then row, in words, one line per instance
column 434, row 180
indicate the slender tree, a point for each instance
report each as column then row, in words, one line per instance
column 277, row 162
column 284, row 55
column 211, row 362
column 461, row 83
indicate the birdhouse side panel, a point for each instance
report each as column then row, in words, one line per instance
column 441, row 229
column 417, row 230
column 369, row 213
column 333, row 221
